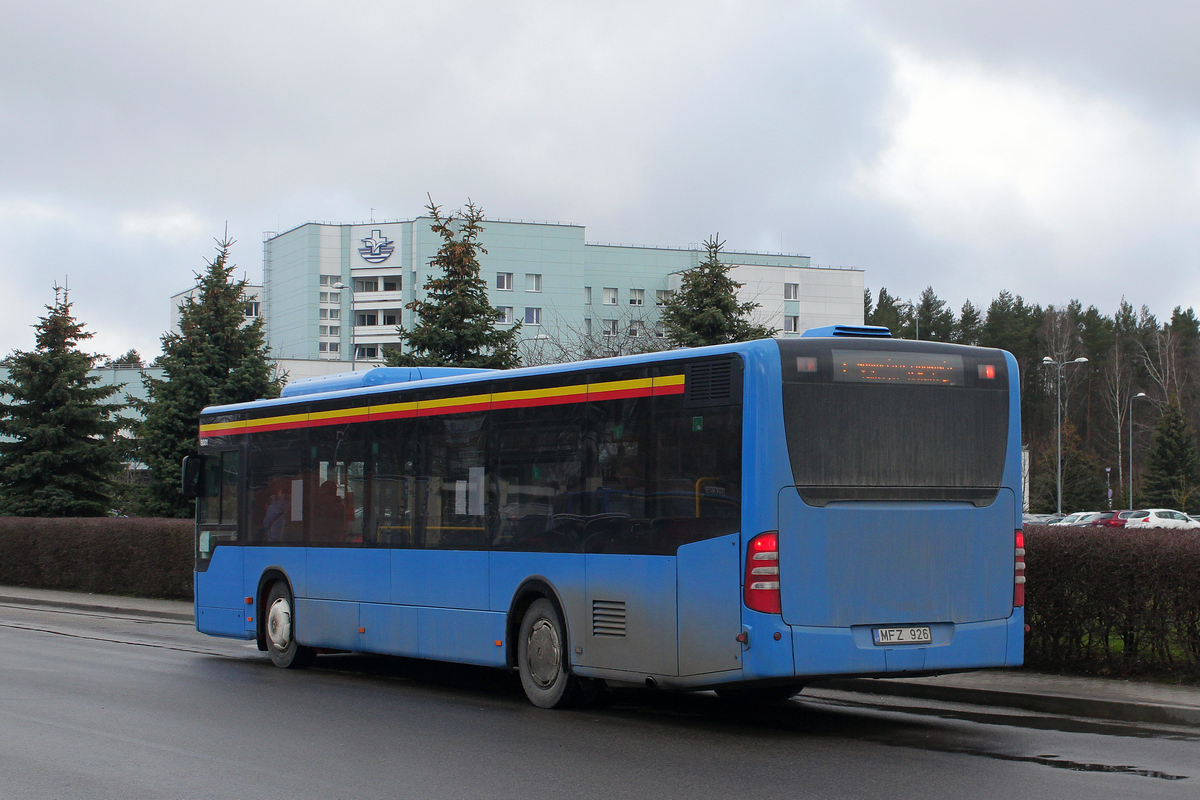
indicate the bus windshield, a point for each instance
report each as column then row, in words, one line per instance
column 894, row 420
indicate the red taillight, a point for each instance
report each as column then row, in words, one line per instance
column 762, row 573
column 1019, row 572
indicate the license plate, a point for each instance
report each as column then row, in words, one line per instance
column 919, row 634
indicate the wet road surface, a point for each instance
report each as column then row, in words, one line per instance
column 107, row 706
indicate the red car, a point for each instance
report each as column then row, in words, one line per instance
column 1112, row 519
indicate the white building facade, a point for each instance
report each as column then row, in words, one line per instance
column 338, row 292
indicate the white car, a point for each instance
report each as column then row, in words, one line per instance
column 1161, row 518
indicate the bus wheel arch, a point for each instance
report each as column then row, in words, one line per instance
column 527, row 594
column 265, row 581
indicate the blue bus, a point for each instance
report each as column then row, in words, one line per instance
column 745, row 518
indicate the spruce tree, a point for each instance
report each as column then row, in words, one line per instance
column 1172, row 477
column 887, row 312
column 63, row 447
column 455, row 324
column 213, row 360
column 968, row 325
column 706, row 310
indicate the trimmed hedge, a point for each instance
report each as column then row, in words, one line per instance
column 107, row 555
column 1110, row 601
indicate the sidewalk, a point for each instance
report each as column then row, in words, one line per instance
column 1098, row 698
column 110, row 604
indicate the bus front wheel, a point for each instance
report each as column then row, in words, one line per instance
column 280, row 627
column 542, row 657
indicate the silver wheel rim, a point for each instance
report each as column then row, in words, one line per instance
column 279, row 623
column 543, row 653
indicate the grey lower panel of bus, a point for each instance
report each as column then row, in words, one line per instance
column 444, row 634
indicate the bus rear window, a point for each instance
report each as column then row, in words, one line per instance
column 894, row 420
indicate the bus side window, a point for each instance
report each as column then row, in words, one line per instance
column 393, row 485
column 457, row 487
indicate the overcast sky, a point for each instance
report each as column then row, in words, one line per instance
column 1050, row 148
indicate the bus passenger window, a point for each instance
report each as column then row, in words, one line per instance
column 393, row 485
column 456, row 485
column 539, row 471
column 275, row 480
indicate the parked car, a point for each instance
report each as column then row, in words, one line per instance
column 1038, row 519
column 1194, row 517
column 1074, row 519
column 1161, row 518
column 1107, row 519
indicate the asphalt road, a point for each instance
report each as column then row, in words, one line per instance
column 103, row 706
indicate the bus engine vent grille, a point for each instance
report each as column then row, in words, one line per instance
column 712, row 383
column 608, row 618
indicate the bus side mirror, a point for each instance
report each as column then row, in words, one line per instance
column 192, row 465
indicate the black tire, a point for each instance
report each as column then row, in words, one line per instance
column 759, row 695
column 542, row 657
column 280, row 631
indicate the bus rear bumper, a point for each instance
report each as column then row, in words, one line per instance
column 955, row 647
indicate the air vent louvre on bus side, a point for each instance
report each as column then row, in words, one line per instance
column 712, row 383
column 608, row 618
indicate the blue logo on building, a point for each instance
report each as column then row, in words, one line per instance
column 377, row 248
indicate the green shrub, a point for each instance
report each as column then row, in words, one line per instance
column 1111, row 601
column 106, row 555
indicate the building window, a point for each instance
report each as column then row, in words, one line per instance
column 367, row 351
column 323, row 330
column 533, row 282
column 334, row 347
column 322, row 347
column 504, row 281
column 635, row 328
column 335, row 297
column 324, row 297
column 392, row 283
column 330, row 280
column 791, row 324
column 662, row 296
column 637, row 297
column 610, row 296
column 365, row 319
column 504, row 315
column 533, row 316
column 659, row 331
column 366, row 285
column 335, row 330
column 587, row 295
column 587, row 325
column 253, row 308
column 322, row 313
column 791, row 291
column 391, row 318
column 610, row 327
column 335, row 313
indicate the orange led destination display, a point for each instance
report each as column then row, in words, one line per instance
column 872, row 366
column 528, row 398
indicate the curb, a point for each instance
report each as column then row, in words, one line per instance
column 108, row 609
column 1116, row 710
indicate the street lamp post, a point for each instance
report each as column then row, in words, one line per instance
column 1058, row 414
column 1135, row 397
column 341, row 287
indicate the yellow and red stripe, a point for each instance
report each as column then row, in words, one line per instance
column 526, row 398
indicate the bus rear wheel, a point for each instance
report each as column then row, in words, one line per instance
column 280, row 630
column 542, row 657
